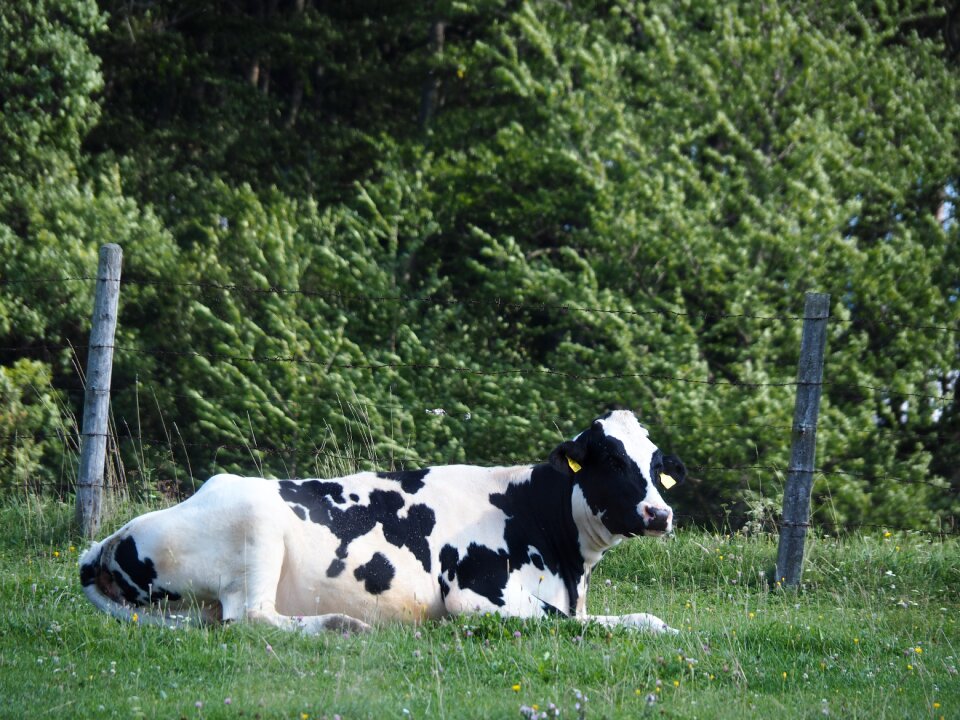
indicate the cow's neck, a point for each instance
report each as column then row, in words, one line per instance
column 545, row 510
column 595, row 538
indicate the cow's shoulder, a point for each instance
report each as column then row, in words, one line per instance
column 529, row 533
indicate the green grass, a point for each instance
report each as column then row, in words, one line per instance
column 873, row 634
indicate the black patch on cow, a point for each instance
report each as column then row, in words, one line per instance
column 162, row 594
column 484, row 571
column 449, row 557
column 410, row 480
column 129, row 592
column 538, row 515
column 412, row 532
column 88, row 571
column 375, row 574
column 311, row 493
column 299, row 512
column 353, row 520
column 354, row 497
column 551, row 610
column 141, row 572
column 336, row 567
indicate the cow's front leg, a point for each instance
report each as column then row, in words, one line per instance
column 309, row 624
column 637, row 621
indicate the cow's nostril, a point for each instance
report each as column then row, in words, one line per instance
column 657, row 518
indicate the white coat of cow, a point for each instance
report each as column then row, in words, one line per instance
column 413, row 545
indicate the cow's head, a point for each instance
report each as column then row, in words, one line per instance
column 620, row 474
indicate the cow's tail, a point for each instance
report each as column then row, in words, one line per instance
column 102, row 589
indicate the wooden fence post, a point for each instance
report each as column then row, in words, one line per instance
column 96, row 403
column 796, row 494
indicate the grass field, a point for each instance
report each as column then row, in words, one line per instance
column 873, row 634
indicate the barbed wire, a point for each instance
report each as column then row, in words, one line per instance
column 776, row 469
column 47, row 281
column 437, row 299
column 762, row 422
column 45, row 347
column 499, row 302
column 471, row 412
column 395, row 454
column 445, row 368
column 374, row 367
column 737, row 521
column 885, row 478
column 327, row 364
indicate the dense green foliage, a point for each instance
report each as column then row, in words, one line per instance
column 873, row 634
column 337, row 219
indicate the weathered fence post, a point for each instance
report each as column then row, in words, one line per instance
column 96, row 403
column 796, row 494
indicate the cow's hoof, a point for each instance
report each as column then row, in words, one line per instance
column 339, row 622
column 649, row 623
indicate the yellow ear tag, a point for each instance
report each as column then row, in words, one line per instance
column 574, row 465
column 667, row 481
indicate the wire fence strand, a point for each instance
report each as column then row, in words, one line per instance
column 449, row 300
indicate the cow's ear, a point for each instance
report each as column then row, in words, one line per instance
column 674, row 468
column 568, row 457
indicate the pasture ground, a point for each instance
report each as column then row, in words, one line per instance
column 874, row 633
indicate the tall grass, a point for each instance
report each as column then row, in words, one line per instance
column 873, row 633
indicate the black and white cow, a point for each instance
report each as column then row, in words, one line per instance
column 393, row 546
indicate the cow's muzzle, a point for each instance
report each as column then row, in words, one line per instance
column 657, row 519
